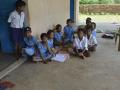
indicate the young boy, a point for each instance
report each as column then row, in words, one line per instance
column 69, row 32
column 94, row 29
column 45, row 52
column 88, row 20
column 16, row 20
column 50, row 35
column 58, row 36
column 92, row 42
column 30, row 44
column 80, row 45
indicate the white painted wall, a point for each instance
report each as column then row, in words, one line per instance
column 43, row 14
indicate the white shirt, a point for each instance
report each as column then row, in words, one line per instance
column 80, row 44
column 92, row 40
column 16, row 20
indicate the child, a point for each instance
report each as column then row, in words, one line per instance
column 30, row 44
column 88, row 20
column 50, row 35
column 88, row 24
column 94, row 29
column 45, row 52
column 69, row 32
column 92, row 42
column 80, row 45
column 16, row 20
column 58, row 36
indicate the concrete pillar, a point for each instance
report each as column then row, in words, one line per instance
column 76, row 11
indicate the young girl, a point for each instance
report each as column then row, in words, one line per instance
column 30, row 44
column 94, row 29
column 80, row 45
column 50, row 35
column 16, row 20
column 69, row 32
column 45, row 52
column 92, row 42
column 58, row 36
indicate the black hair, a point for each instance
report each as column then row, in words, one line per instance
column 57, row 26
column 43, row 35
column 69, row 20
column 88, row 19
column 28, row 29
column 80, row 30
column 49, row 32
column 20, row 3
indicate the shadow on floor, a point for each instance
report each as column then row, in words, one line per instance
column 6, row 60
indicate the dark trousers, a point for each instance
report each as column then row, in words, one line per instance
column 86, row 52
column 92, row 49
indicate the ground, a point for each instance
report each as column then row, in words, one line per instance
column 99, row 72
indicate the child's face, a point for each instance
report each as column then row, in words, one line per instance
column 28, row 33
column 80, row 34
column 70, row 23
column 89, row 32
column 60, row 29
column 51, row 36
column 88, row 23
column 44, row 39
column 93, row 26
column 21, row 8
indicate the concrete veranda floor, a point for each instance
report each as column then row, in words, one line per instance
column 99, row 72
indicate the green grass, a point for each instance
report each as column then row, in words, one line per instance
column 101, row 18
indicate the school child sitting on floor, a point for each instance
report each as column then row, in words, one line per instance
column 30, row 43
column 50, row 35
column 80, row 45
column 94, row 29
column 45, row 53
column 69, row 32
column 58, row 36
column 92, row 42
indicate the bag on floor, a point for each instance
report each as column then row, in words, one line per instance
column 109, row 36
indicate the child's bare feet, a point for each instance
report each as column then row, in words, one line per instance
column 82, row 56
column 44, row 62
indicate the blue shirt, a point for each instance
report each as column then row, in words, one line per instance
column 43, row 50
column 58, row 36
column 94, row 33
column 30, row 41
column 50, row 43
column 69, row 33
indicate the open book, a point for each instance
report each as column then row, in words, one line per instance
column 61, row 57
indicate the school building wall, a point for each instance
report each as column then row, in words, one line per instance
column 44, row 14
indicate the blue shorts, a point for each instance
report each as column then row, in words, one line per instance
column 17, row 35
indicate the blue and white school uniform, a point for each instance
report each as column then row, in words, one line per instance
column 16, row 21
column 94, row 33
column 92, row 41
column 58, row 36
column 30, row 43
column 50, row 43
column 44, row 51
column 69, row 33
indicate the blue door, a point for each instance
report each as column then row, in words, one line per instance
column 6, row 6
column 72, row 9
